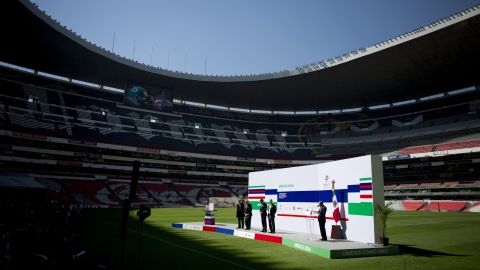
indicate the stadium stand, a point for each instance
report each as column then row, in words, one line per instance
column 427, row 205
column 445, row 206
column 417, row 149
column 106, row 119
column 69, row 141
column 412, row 205
column 441, row 147
column 53, row 130
column 457, row 145
column 106, row 193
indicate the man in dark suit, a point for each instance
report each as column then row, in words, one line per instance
column 271, row 216
column 248, row 214
column 240, row 214
column 322, row 219
column 263, row 215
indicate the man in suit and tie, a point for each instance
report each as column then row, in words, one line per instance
column 263, row 215
column 322, row 219
column 248, row 214
column 271, row 216
column 240, row 214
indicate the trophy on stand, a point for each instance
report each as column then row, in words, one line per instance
column 310, row 223
column 209, row 213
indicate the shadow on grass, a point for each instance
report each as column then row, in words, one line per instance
column 420, row 252
column 167, row 248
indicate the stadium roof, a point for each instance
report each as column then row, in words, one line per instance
column 431, row 59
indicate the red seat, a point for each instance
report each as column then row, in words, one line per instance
column 412, row 205
column 416, row 149
column 457, row 145
column 445, row 206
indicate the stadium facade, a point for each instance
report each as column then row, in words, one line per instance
column 66, row 121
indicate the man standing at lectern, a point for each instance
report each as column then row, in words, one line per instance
column 263, row 215
column 322, row 219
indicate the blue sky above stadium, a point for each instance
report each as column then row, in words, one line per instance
column 242, row 37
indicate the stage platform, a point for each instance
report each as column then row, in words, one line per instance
column 331, row 249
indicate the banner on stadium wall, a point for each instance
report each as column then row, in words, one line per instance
column 350, row 189
column 395, row 157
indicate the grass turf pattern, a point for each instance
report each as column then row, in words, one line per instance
column 427, row 240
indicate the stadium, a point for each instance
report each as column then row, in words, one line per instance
column 75, row 117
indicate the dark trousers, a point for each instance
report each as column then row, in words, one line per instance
column 271, row 223
column 264, row 223
column 248, row 221
column 240, row 222
column 321, row 223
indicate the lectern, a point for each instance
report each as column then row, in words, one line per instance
column 310, row 222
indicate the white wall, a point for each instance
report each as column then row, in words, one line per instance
column 298, row 190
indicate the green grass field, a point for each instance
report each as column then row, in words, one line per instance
column 427, row 240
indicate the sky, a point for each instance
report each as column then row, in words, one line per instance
column 228, row 37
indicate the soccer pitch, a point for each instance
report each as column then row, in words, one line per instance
column 427, row 240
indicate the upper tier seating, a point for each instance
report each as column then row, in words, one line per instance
column 457, row 145
column 440, row 147
column 101, row 116
column 416, row 149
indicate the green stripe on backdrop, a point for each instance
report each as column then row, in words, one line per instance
column 360, row 209
column 256, row 205
column 256, row 186
column 366, row 179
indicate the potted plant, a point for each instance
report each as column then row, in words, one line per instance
column 383, row 213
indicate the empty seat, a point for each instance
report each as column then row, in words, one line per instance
column 445, row 206
column 412, row 205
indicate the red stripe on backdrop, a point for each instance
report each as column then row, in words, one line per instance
column 256, row 197
column 268, row 238
column 304, row 216
column 366, row 186
column 366, row 196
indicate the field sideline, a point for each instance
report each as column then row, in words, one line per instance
column 427, row 240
